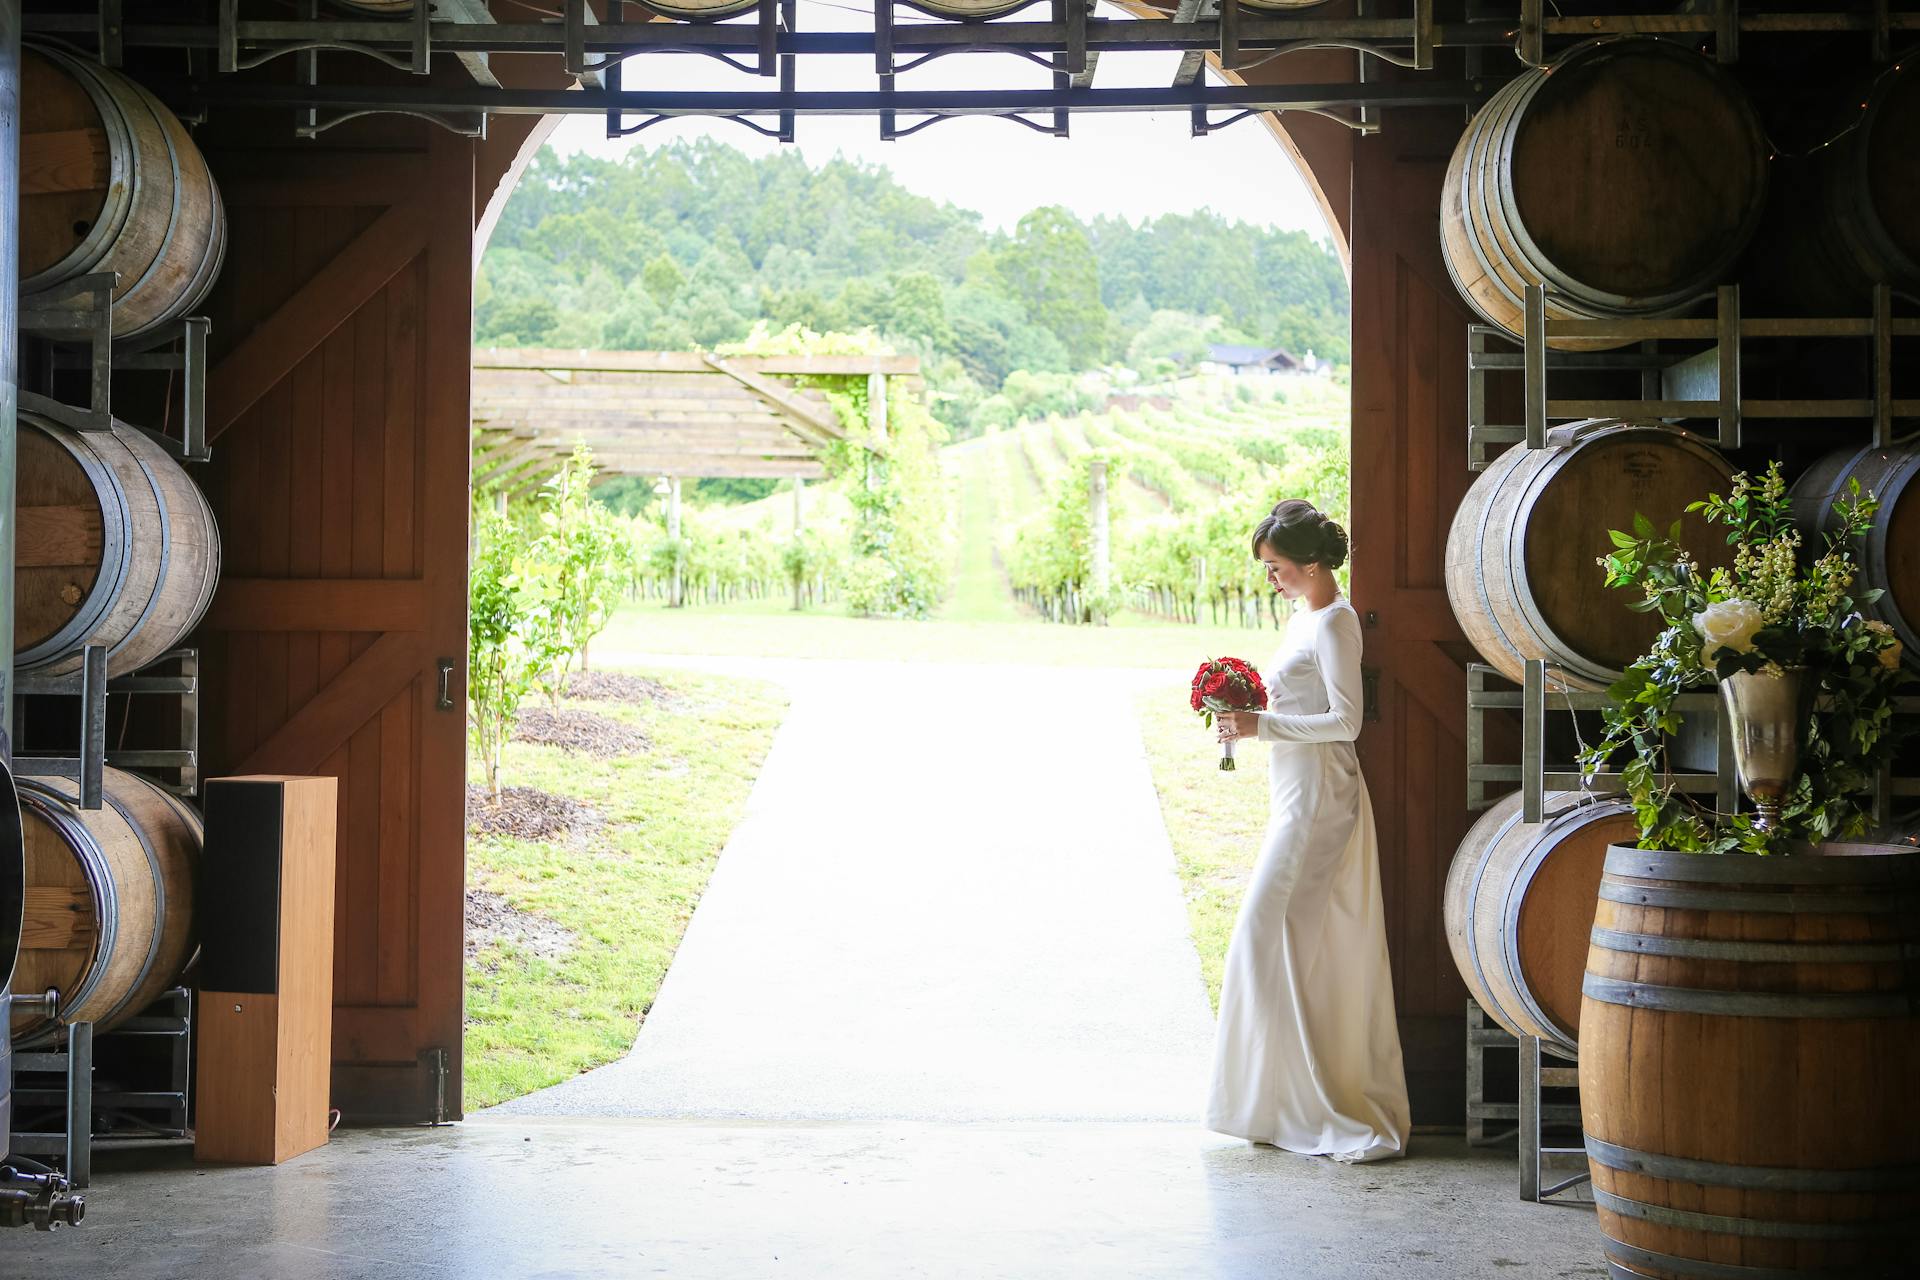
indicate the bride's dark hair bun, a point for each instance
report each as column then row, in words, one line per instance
column 1300, row 532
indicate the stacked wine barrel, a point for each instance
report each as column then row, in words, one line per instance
column 1748, row 1029
column 1889, row 554
column 110, row 181
column 1627, row 179
column 1520, row 568
column 108, row 905
column 114, row 546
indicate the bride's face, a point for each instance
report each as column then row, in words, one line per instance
column 1288, row 577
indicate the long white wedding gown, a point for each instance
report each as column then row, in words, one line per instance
column 1307, row 1055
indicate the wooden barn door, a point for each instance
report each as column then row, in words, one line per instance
column 1409, row 473
column 338, row 413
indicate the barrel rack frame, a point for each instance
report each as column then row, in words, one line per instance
column 1688, row 386
column 73, row 324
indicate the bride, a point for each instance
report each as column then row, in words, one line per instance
column 1307, row 1056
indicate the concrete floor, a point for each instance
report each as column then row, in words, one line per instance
column 539, row 1199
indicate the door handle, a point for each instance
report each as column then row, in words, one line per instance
column 445, row 700
column 1370, row 693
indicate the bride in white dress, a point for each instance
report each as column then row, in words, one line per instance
column 1307, row 1055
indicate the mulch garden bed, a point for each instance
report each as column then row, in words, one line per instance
column 613, row 686
column 584, row 731
column 491, row 919
column 527, row 813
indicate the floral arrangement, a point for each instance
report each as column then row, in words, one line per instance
column 1227, row 684
column 1774, row 614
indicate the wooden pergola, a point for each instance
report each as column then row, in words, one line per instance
column 671, row 414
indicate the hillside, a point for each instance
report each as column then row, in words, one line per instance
column 691, row 243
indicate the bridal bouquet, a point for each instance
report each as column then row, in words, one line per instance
column 1227, row 684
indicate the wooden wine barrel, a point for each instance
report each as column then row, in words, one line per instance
column 1626, row 178
column 109, row 901
column 114, row 545
column 1889, row 554
column 1850, row 218
column 1519, row 905
column 1749, row 1044
column 1520, row 556
column 111, row 182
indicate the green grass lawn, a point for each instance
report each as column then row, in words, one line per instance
column 1215, row 819
column 624, row 891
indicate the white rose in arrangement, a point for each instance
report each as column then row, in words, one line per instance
column 1889, row 656
column 1727, row 624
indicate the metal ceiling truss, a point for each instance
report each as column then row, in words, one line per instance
column 1068, row 43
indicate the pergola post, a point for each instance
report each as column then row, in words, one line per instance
column 1097, row 518
column 799, row 522
column 676, row 598
column 876, row 422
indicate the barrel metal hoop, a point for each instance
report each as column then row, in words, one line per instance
column 1751, row 1228
column 1565, row 652
column 1625, row 1260
column 162, row 253
column 1503, row 468
column 1748, row 1177
column 1895, row 481
column 1745, row 1004
column 1479, row 138
column 58, row 812
column 166, row 545
column 1730, row 900
column 123, row 175
column 1753, row 871
column 1648, row 944
column 116, row 551
column 1510, row 936
column 159, row 909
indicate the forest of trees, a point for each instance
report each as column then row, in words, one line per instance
column 691, row 243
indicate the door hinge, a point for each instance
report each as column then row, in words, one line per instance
column 1370, row 693
column 438, row 1066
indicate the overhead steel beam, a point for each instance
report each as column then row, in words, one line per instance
column 945, row 102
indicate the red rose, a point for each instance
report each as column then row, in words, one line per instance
column 1215, row 685
column 1196, row 701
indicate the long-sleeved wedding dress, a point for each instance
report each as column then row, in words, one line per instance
column 1307, row 1054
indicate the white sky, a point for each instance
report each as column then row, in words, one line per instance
column 998, row 167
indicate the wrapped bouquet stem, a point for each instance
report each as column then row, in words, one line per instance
column 1223, row 685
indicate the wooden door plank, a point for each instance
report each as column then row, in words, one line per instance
column 318, row 604
column 446, row 383
column 313, row 313
column 401, row 497
column 369, row 436
column 348, row 701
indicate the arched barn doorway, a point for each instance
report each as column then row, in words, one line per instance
column 1409, row 471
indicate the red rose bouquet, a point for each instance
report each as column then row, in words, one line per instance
column 1227, row 684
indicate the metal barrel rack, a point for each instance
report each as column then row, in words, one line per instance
column 1532, row 1114
column 64, row 1105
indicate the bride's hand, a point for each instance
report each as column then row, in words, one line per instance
column 1236, row 724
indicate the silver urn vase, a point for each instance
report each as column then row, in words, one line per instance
column 1766, row 712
